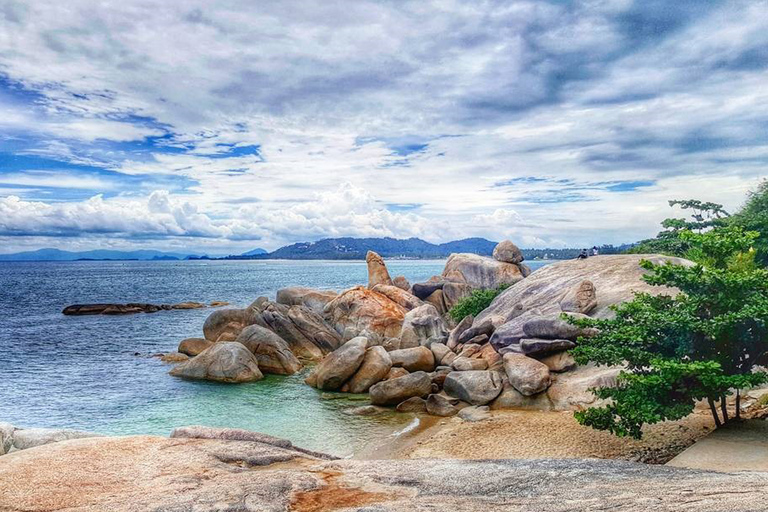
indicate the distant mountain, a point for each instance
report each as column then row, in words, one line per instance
column 255, row 252
column 103, row 254
column 356, row 249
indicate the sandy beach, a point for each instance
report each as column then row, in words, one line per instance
column 519, row 434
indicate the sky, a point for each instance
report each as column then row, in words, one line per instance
column 221, row 127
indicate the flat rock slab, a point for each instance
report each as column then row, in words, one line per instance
column 142, row 473
column 733, row 447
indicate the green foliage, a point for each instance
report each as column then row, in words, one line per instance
column 476, row 302
column 753, row 216
column 697, row 345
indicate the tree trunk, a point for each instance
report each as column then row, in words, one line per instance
column 724, row 408
column 738, row 404
column 714, row 411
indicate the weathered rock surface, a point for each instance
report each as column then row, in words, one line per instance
column 422, row 324
column 272, row 352
column 616, row 277
column 193, row 346
column 440, row 351
column 227, row 322
column 398, row 296
column 474, row 387
column 458, row 331
column 506, row 338
column 377, row 270
column 454, row 292
column 174, row 357
column 396, row 372
column 338, row 366
column 303, row 296
column 413, row 359
column 581, row 299
column 376, row 365
column 413, row 404
column 13, row 439
column 307, row 334
column 559, row 362
column 436, row 299
column 508, row 252
column 540, row 346
column 6, row 437
column 361, row 311
column 464, row 364
column 553, row 326
column 527, row 375
column 141, row 473
column 438, row 405
column 394, row 391
column 402, row 283
column 222, row 362
column 475, row 413
column 481, row 271
column 424, row 290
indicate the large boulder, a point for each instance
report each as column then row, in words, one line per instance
column 438, row 405
column 338, row 366
column 307, row 334
column 360, row 310
column 553, row 326
column 377, row 270
column 303, row 296
column 226, row 324
column 413, row 359
column 558, row 362
column 525, row 374
column 420, row 325
column 617, row 277
column 465, row 364
column 536, row 347
column 402, row 283
column 454, row 292
column 481, row 271
column 474, row 387
column 508, row 252
column 398, row 295
column 272, row 352
column 376, row 365
column 437, row 300
column 222, row 362
column 193, row 346
column 395, row 391
column 413, row 404
column 506, row 338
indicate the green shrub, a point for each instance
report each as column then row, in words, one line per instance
column 476, row 302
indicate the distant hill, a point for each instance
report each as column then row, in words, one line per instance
column 102, row 254
column 255, row 252
column 356, row 248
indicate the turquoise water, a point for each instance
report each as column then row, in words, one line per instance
column 97, row 372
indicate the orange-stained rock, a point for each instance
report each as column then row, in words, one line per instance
column 360, row 311
column 377, row 270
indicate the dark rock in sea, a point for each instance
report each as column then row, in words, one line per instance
column 131, row 308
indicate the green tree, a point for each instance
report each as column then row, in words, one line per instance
column 753, row 216
column 700, row 344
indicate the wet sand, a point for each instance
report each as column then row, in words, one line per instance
column 519, row 434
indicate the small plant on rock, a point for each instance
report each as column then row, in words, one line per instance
column 474, row 303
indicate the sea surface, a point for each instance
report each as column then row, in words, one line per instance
column 99, row 373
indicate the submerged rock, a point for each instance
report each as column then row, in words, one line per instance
column 223, row 362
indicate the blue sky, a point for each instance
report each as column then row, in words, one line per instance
column 184, row 125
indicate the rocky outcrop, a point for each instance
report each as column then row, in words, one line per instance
column 139, row 473
column 394, row 391
column 338, row 366
column 193, row 346
column 132, row 308
column 616, row 277
column 377, row 270
column 223, row 362
column 422, row 325
column 375, row 367
column 303, row 296
column 271, row 351
column 413, row 359
column 473, row 387
column 483, row 272
column 525, row 374
column 360, row 311
column 507, row 252
column 13, row 439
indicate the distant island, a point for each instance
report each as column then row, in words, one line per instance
column 346, row 248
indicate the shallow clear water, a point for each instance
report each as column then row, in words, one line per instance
column 83, row 372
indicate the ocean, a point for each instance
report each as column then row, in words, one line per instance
column 98, row 373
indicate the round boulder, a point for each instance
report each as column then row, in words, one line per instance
column 271, row 351
column 222, row 362
column 527, row 375
column 413, row 359
column 338, row 366
column 508, row 252
column 476, row 387
column 394, row 391
column 376, row 365
column 193, row 346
